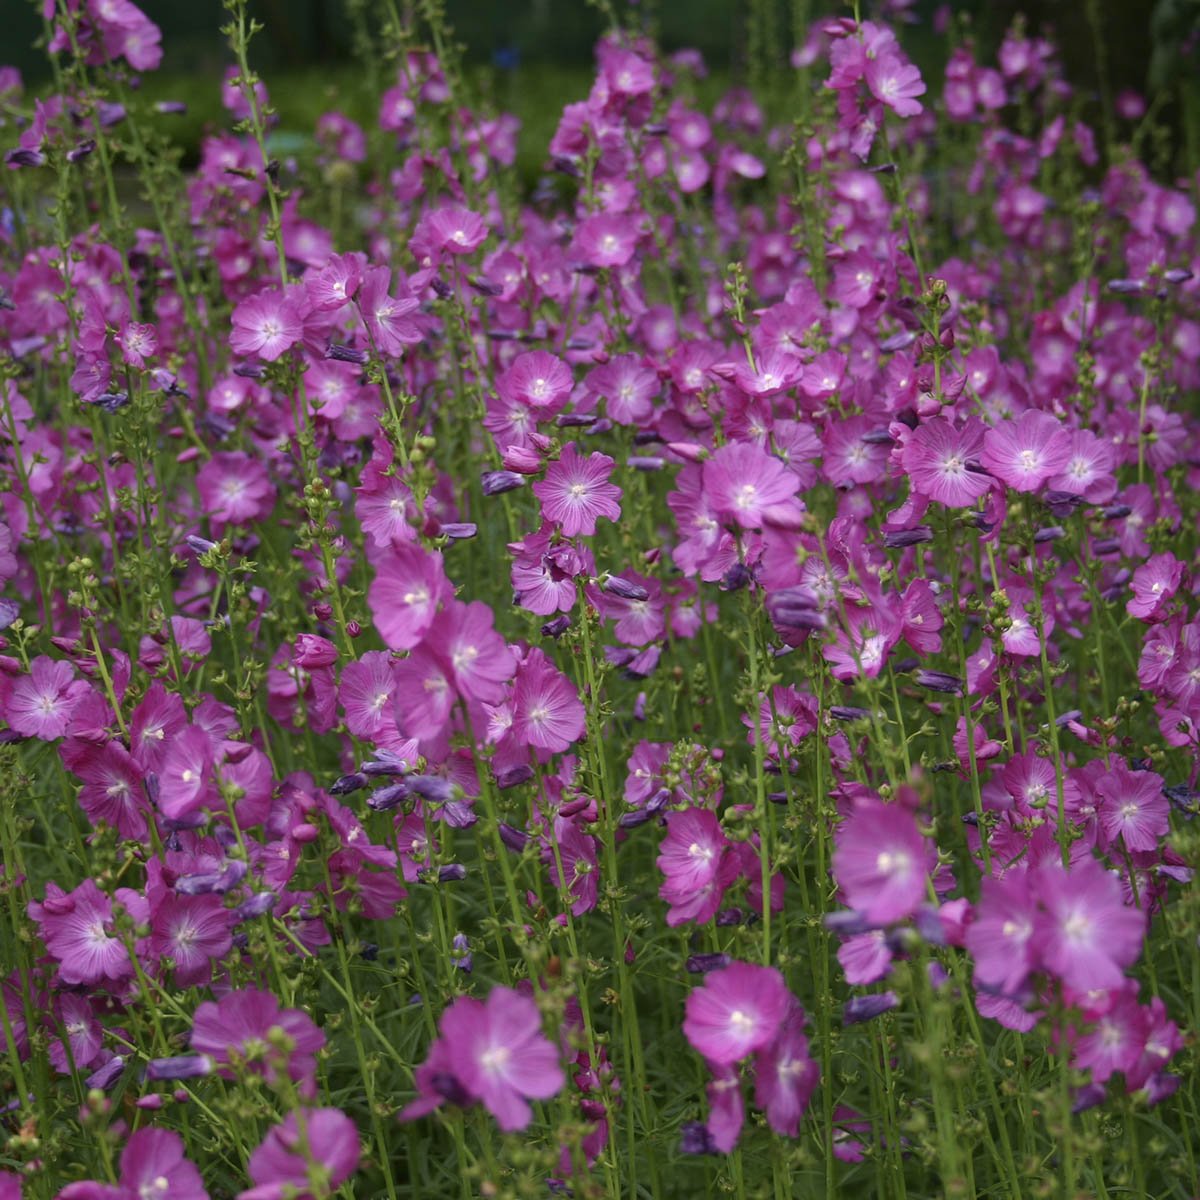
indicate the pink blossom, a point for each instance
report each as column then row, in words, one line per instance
column 576, row 492
column 942, row 462
column 748, row 486
column 267, row 324
column 739, row 1010
column 404, row 596
column 882, row 862
column 1026, row 452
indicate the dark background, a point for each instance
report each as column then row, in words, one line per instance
column 1142, row 38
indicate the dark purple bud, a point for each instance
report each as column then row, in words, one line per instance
column 345, row 354
column 1179, row 874
column 623, row 588
column 1113, row 512
column 459, row 531
column 386, row 763
column 736, row 578
column 171, row 108
column 24, row 158
column 503, row 335
column 199, row 544
column 1063, row 500
column 258, row 905
column 81, row 151
column 557, row 627
column 448, row 1087
column 1088, row 1096
column 249, row 370
column 634, row 818
column 515, row 839
column 10, row 610
column 210, row 882
column 929, row 925
column 898, row 341
column 1177, row 275
column 1049, row 533
column 109, row 113
column 900, row 538
column 460, row 953
column 939, row 681
column 574, row 420
column 777, row 797
column 514, row 776
column 386, row 798
column 645, row 463
column 580, row 343
column 659, row 800
column 6, row 302
column 654, row 129
column 694, row 1139
column 1126, row 287
column 451, row 873
column 847, row 922
column 431, row 787
column 867, row 1008
column 1183, row 798
column 346, row 784
column 485, row 287
column 181, row 1066
column 106, row 1075
column 368, row 952
column 847, row 712
column 567, row 166
column 729, row 916
column 878, row 437
column 701, row 964
column 971, row 818
column 938, row 975
column 888, row 168
column 441, row 287
column 495, row 482
column 1106, row 546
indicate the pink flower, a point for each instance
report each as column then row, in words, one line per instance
column 310, row 1143
column 896, row 83
column 185, row 781
column 112, row 789
column 547, row 713
column 267, row 324
column 386, row 316
column 1000, row 939
column 747, row 485
column 494, row 1052
column 404, row 595
column 1133, row 807
column 152, row 1164
column 539, row 380
column 40, row 704
column 1089, row 934
column 1154, row 586
column 738, row 1010
column 941, row 462
column 882, row 862
column 77, row 929
column 785, row 1074
column 606, row 239
column 365, row 693
column 330, row 286
column 576, row 492
column 235, row 489
column 241, row 1030
column 692, row 857
column 479, row 659
column 1026, row 452
column 454, row 229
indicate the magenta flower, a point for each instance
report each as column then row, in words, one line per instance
column 942, row 462
column 547, row 713
column 454, row 229
column 1154, row 585
column 539, row 380
column 606, row 239
column 576, row 492
column 267, row 324
column 404, row 595
column 896, row 83
column 193, row 931
column 365, row 693
column 308, row 1156
column 77, row 928
column 235, row 489
column 153, row 1167
column 40, row 704
column 693, row 860
column 882, row 862
column 185, row 781
column 493, row 1052
column 479, row 659
column 1089, row 934
column 785, row 1074
column 387, row 316
column 236, row 1031
column 747, row 485
column 1026, row 452
column 738, row 1010
column 1000, row 939
column 1133, row 807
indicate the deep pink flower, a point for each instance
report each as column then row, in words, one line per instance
column 153, row 1165
column 404, row 595
column 498, row 1054
column 193, row 931
column 691, row 858
column 537, row 379
column 606, row 239
column 1154, row 586
column 113, row 790
column 310, row 1143
column 576, row 492
column 78, row 931
column 738, row 1010
column 267, row 324
column 479, row 659
column 883, row 862
column 747, row 485
column 941, row 462
column 235, row 489
column 454, row 229
column 785, row 1074
column 237, row 1031
column 40, row 704
column 1089, row 934
column 185, row 780
column 1026, row 452
column 387, row 316
column 1133, row 807
column 896, row 83
column 1000, row 938
column 547, row 713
